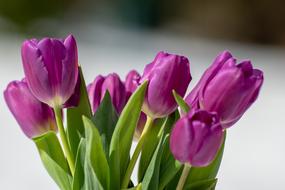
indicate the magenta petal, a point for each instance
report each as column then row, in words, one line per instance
column 74, row 99
column 222, row 58
column 70, row 71
column 166, row 73
column 117, row 91
column 209, row 148
column 180, row 140
column 115, row 87
column 34, row 117
column 51, row 68
column 94, row 92
column 196, row 138
column 36, row 72
column 132, row 82
column 227, row 88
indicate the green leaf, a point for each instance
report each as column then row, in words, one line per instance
column 60, row 176
column 149, row 147
column 105, row 120
column 182, row 104
column 78, row 180
column 75, row 128
column 53, row 159
column 208, row 172
column 123, row 135
column 151, row 177
column 91, row 182
column 169, row 167
column 171, row 119
column 209, row 184
column 95, row 154
column 174, row 181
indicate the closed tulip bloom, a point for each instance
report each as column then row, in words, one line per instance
column 166, row 73
column 115, row 87
column 51, row 68
column 227, row 88
column 131, row 84
column 34, row 117
column 196, row 138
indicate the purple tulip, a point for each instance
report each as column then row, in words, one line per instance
column 51, row 68
column 34, row 117
column 196, row 138
column 166, row 73
column 131, row 84
column 114, row 85
column 227, row 88
column 74, row 99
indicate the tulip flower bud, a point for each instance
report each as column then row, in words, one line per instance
column 34, row 117
column 196, row 138
column 51, row 69
column 227, row 88
column 114, row 85
column 166, row 73
column 131, row 84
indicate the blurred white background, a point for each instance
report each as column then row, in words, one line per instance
column 255, row 148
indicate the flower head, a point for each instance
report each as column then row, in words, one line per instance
column 115, row 87
column 196, row 138
column 34, row 117
column 51, row 68
column 166, row 73
column 227, row 88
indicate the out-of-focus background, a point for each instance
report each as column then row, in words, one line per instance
column 119, row 35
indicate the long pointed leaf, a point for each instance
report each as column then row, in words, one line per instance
column 53, row 159
column 123, row 135
column 182, row 104
column 151, row 177
column 95, row 154
column 105, row 120
column 75, row 128
column 78, row 180
column 149, row 147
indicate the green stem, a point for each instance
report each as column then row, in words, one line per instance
column 64, row 141
column 183, row 177
column 137, row 151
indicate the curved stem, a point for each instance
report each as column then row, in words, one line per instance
column 137, row 151
column 64, row 141
column 183, row 177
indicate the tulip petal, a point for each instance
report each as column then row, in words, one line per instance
column 36, row 72
column 166, row 73
column 94, row 92
column 34, row 117
column 69, row 67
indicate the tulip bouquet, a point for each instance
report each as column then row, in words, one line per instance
column 84, row 133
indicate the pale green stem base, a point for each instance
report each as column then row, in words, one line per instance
column 64, row 141
column 183, row 177
column 137, row 151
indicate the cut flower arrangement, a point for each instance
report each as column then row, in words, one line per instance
column 84, row 133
